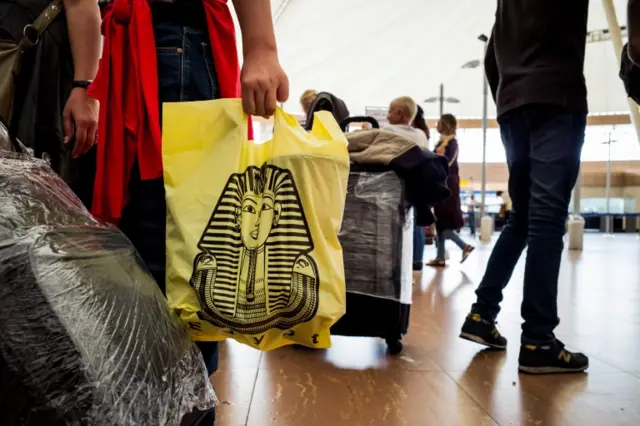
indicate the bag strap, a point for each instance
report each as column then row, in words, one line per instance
column 32, row 32
column 30, row 37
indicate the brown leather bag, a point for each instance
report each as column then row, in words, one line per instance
column 11, row 53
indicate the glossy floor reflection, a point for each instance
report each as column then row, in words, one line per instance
column 442, row 380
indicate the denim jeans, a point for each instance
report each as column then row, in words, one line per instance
column 543, row 144
column 185, row 73
column 419, row 240
column 472, row 223
column 445, row 235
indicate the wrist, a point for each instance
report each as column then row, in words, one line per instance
column 252, row 47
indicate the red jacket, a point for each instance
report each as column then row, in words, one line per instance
column 127, row 87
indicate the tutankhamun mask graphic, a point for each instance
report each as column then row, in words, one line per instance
column 254, row 271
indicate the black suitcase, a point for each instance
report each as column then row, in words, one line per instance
column 377, row 243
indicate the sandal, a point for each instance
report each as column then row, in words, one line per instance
column 437, row 263
column 466, row 252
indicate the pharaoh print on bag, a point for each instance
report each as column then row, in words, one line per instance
column 254, row 271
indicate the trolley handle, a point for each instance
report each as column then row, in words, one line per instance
column 359, row 119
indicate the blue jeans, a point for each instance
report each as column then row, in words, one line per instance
column 445, row 235
column 185, row 73
column 419, row 240
column 472, row 223
column 543, row 144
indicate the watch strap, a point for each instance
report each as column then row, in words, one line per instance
column 80, row 84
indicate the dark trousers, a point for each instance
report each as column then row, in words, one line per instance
column 185, row 73
column 543, row 144
column 419, row 240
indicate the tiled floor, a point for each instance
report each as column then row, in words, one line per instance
column 442, row 380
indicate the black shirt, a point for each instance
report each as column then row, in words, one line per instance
column 536, row 54
column 189, row 13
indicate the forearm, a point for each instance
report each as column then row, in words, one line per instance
column 633, row 28
column 83, row 22
column 256, row 25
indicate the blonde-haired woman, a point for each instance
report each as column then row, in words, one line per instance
column 307, row 99
column 449, row 213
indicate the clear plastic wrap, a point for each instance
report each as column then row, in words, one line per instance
column 86, row 337
column 377, row 236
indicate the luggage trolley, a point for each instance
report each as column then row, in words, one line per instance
column 377, row 243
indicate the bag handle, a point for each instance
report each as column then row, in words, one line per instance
column 31, row 33
column 325, row 126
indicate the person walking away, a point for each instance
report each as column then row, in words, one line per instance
column 52, row 113
column 173, row 51
column 420, row 123
column 534, row 65
column 449, row 213
column 420, row 232
column 471, row 212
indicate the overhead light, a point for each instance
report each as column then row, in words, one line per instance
column 449, row 100
column 472, row 64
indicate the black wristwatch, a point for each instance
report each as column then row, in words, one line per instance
column 80, row 84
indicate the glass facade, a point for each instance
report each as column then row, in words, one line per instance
column 624, row 148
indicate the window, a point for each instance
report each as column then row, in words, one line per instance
column 624, row 148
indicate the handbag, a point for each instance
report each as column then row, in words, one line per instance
column 11, row 54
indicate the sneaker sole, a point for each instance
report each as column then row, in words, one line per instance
column 550, row 370
column 481, row 341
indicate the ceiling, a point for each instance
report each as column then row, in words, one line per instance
column 368, row 52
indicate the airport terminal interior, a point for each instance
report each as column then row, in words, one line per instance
column 343, row 288
column 438, row 378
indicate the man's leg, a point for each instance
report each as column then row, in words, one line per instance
column 513, row 238
column 557, row 136
column 556, row 143
column 480, row 324
column 185, row 72
column 472, row 223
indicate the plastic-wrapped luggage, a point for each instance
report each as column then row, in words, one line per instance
column 391, row 178
column 86, row 337
column 377, row 241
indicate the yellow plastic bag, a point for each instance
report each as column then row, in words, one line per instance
column 252, row 229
